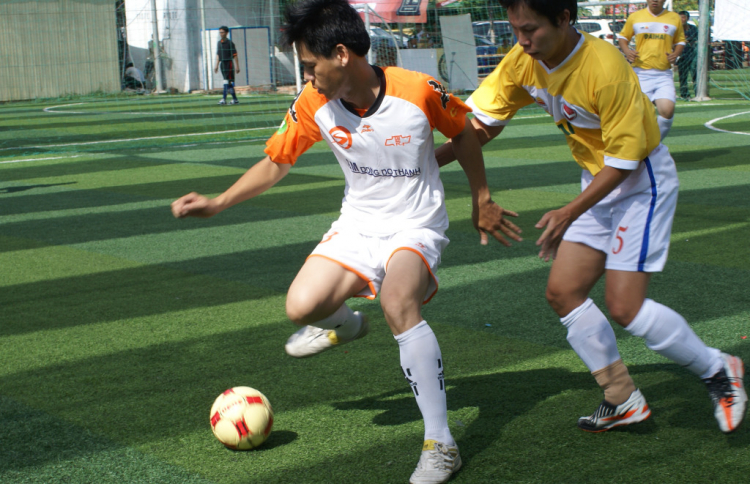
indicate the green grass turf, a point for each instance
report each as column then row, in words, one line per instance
column 120, row 325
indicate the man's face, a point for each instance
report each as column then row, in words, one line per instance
column 684, row 19
column 223, row 34
column 656, row 6
column 538, row 37
column 326, row 75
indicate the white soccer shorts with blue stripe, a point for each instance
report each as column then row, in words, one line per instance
column 632, row 225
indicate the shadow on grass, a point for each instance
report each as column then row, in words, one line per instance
column 25, row 188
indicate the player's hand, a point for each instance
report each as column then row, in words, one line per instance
column 489, row 218
column 672, row 57
column 556, row 223
column 194, row 205
column 632, row 55
column 216, row 69
column 238, row 69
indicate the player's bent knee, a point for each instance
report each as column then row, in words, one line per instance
column 399, row 311
column 556, row 298
column 301, row 308
column 622, row 312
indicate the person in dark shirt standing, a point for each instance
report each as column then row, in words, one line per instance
column 686, row 64
column 226, row 58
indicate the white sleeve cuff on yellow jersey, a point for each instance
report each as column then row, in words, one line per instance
column 620, row 163
column 622, row 37
column 680, row 43
column 486, row 119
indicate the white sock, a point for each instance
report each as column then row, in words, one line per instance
column 344, row 321
column 664, row 125
column 423, row 368
column 591, row 336
column 667, row 333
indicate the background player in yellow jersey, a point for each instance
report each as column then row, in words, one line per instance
column 391, row 231
column 620, row 223
column 659, row 41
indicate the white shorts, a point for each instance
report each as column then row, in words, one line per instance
column 368, row 256
column 657, row 84
column 632, row 224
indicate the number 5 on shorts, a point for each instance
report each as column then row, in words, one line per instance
column 619, row 240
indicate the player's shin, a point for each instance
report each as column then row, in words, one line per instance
column 667, row 333
column 422, row 364
column 593, row 340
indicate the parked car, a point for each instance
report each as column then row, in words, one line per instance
column 601, row 28
column 494, row 31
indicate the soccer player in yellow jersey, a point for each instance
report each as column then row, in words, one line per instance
column 620, row 223
column 659, row 41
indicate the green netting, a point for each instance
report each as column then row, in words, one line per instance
column 64, row 84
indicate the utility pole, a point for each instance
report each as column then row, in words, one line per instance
column 704, row 32
column 157, row 48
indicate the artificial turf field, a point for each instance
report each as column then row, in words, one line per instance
column 119, row 324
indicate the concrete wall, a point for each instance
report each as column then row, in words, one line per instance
column 53, row 48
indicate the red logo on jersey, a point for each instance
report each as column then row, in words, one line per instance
column 398, row 140
column 569, row 113
column 367, row 128
column 541, row 102
column 341, row 136
column 666, row 27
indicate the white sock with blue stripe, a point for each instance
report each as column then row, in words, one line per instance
column 667, row 333
column 422, row 364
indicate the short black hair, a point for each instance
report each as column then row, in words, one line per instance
column 323, row 24
column 552, row 9
column 129, row 64
column 224, row 28
column 686, row 14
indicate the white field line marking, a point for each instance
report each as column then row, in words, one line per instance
column 710, row 125
column 51, row 110
column 40, row 159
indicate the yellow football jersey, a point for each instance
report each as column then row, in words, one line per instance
column 594, row 97
column 655, row 36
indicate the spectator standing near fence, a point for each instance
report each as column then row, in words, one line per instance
column 659, row 40
column 686, row 64
column 226, row 59
column 133, row 78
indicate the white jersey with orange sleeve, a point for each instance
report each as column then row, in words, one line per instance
column 655, row 37
column 387, row 153
column 593, row 96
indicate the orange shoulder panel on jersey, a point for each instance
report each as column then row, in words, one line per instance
column 445, row 112
column 299, row 131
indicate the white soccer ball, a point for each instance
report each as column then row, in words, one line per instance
column 241, row 418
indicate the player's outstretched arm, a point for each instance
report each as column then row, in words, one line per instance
column 488, row 217
column 262, row 176
column 558, row 221
column 445, row 154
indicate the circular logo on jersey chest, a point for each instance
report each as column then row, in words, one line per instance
column 341, row 136
column 569, row 113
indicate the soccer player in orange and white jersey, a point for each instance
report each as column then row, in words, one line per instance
column 620, row 224
column 659, row 41
column 391, row 232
